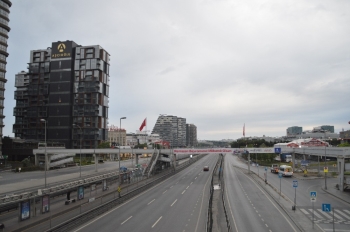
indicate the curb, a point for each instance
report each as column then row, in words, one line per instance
column 335, row 196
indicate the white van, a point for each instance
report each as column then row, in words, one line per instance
column 286, row 170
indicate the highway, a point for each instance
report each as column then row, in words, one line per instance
column 251, row 209
column 178, row 204
column 20, row 182
column 304, row 213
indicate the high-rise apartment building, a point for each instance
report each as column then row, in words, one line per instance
column 4, row 31
column 294, row 130
column 191, row 135
column 171, row 129
column 65, row 91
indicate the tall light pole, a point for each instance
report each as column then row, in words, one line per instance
column 325, row 173
column 120, row 142
column 81, row 134
column 43, row 120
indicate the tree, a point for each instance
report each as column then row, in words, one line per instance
column 344, row 145
column 104, row 145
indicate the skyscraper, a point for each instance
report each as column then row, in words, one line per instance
column 65, row 84
column 191, row 135
column 171, row 129
column 4, row 30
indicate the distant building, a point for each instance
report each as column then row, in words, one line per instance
column 172, row 129
column 116, row 136
column 294, row 130
column 133, row 139
column 324, row 128
column 191, row 135
column 345, row 136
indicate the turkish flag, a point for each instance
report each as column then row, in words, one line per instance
column 143, row 124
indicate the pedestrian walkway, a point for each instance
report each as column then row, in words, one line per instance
column 341, row 216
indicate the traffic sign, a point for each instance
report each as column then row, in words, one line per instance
column 280, row 174
column 313, row 195
column 119, row 189
column 326, row 207
column 325, row 169
column 265, row 168
column 295, row 183
column 277, row 150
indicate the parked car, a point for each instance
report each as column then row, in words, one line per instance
column 206, row 168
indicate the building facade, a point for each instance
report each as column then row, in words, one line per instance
column 294, row 130
column 4, row 31
column 171, row 129
column 64, row 95
column 117, row 137
column 191, row 135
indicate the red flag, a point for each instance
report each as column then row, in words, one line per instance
column 143, row 124
column 244, row 129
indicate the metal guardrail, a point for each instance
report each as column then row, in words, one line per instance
column 210, row 203
column 222, row 182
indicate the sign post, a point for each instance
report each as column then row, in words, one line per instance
column 295, row 185
column 280, row 176
column 313, row 195
column 265, row 175
column 328, row 208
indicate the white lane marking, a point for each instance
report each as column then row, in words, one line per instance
column 196, row 177
column 125, row 220
column 304, row 211
column 183, row 192
column 191, row 183
column 173, row 203
column 151, row 201
column 187, row 187
column 171, row 186
column 157, row 222
column 343, row 214
column 324, row 213
column 165, row 191
column 270, row 201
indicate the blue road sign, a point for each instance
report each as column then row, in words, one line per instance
column 313, row 194
column 265, row 168
column 295, row 183
column 277, row 150
column 280, row 174
column 326, row 207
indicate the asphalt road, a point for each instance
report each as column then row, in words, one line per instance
column 250, row 208
column 14, row 182
column 178, row 204
column 309, row 211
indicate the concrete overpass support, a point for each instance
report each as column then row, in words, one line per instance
column 341, row 170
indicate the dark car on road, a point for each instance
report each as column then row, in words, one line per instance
column 206, row 168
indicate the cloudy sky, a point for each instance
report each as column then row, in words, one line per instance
column 218, row 63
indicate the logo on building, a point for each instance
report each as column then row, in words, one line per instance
column 62, row 50
column 61, row 47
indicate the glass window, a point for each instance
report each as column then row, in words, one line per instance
column 88, row 64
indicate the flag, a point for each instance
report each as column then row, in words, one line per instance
column 244, row 130
column 143, row 124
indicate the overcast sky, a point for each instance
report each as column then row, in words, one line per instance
column 219, row 64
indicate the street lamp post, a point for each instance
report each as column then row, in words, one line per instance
column 81, row 134
column 120, row 142
column 43, row 120
column 325, row 173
